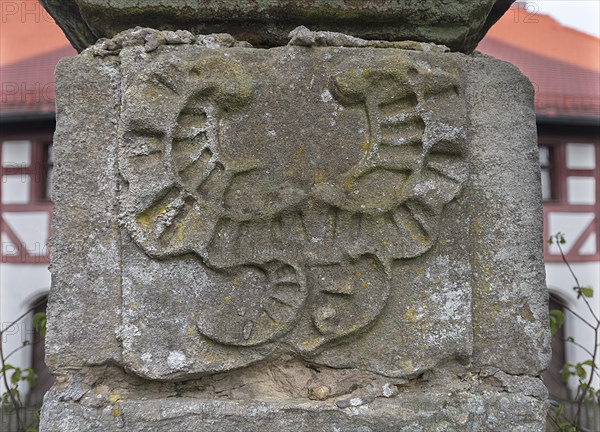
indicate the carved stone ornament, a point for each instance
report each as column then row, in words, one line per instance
column 293, row 219
column 340, row 234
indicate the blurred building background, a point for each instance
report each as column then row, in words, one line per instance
column 562, row 63
column 564, row 66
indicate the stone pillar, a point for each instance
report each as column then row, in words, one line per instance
column 333, row 235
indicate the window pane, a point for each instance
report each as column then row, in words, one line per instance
column 48, row 170
column 544, row 156
column 546, row 185
column 49, row 184
column 581, row 156
column 50, row 150
column 16, row 154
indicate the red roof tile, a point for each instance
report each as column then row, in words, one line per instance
column 561, row 89
column 27, row 86
column 562, row 63
column 543, row 35
column 27, row 30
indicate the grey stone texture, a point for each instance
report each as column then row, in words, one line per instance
column 472, row 403
column 296, row 238
column 457, row 24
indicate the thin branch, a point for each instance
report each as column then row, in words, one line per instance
column 587, row 351
column 24, row 314
column 15, row 402
column 564, row 258
column 23, row 346
column 588, row 385
column 567, row 308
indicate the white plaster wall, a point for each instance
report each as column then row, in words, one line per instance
column 16, row 154
column 572, row 226
column 581, row 156
column 581, row 190
column 20, row 286
column 31, row 228
column 15, row 189
column 560, row 282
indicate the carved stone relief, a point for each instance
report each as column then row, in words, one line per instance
column 294, row 250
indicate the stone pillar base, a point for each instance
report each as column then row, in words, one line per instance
column 372, row 212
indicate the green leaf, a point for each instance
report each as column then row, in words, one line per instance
column 585, row 292
column 565, row 426
column 16, row 376
column 31, row 377
column 39, row 323
column 581, row 372
column 6, row 368
column 588, row 292
column 566, row 372
column 557, row 320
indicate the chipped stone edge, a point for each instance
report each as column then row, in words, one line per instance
column 151, row 39
column 302, row 36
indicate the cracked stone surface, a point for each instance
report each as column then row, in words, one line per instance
column 329, row 237
column 274, row 397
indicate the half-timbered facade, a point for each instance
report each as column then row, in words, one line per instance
column 26, row 166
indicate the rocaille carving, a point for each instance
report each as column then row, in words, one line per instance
column 322, row 248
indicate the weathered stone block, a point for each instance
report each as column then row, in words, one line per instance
column 258, row 221
column 457, row 24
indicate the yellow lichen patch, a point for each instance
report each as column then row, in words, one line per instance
column 179, row 229
column 320, row 176
column 476, row 226
column 114, row 398
column 348, row 184
column 358, row 273
column 235, row 282
column 227, row 299
column 367, row 73
column 345, row 287
column 116, row 412
column 415, row 233
column 214, row 358
column 421, row 271
column 373, row 263
column 407, row 365
column 300, row 151
column 144, row 219
column 410, row 315
column 346, row 331
column 364, row 284
column 191, row 331
column 311, row 343
column 365, row 146
column 149, row 215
